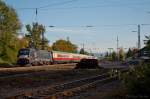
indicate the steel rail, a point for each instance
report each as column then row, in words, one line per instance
column 69, row 88
column 60, row 87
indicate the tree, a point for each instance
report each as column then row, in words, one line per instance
column 148, row 40
column 137, row 81
column 63, row 45
column 82, row 51
column 134, row 50
column 23, row 43
column 106, row 54
column 9, row 25
column 121, row 54
column 114, row 56
column 36, row 32
column 129, row 53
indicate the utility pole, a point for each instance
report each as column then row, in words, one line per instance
column 110, row 52
column 68, row 39
column 117, row 48
column 42, row 40
column 83, row 48
column 31, row 42
column 139, row 37
column 36, row 13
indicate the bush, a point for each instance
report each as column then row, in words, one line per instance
column 137, row 80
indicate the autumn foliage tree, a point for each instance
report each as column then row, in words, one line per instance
column 23, row 42
column 65, row 46
column 34, row 35
column 131, row 52
column 9, row 25
column 121, row 54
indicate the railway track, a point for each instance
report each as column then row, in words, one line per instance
column 66, row 89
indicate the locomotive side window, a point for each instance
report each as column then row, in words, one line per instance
column 24, row 52
column 32, row 54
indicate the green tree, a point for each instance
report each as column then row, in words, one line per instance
column 106, row 54
column 137, row 81
column 114, row 56
column 63, row 45
column 129, row 53
column 9, row 25
column 82, row 51
column 35, row 35
column 148, row 40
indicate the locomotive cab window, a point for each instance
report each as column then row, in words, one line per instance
column 24, row 52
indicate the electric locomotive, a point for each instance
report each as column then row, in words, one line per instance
column 34, row 57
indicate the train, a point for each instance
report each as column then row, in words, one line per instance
column 36, row 57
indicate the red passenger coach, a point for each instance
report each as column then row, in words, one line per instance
column 61, row 57
column 64, row 57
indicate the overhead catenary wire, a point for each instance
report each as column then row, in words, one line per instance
column 46, row 6
column 92, row 6
column 57, row 4
column 92, row 26
column 54, row 6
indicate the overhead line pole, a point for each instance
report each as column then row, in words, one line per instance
column 139, row 37
column 83, row 48
column 117, row 48
column 36, row 13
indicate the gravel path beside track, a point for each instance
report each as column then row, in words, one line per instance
column 15, row 71
column 44, row 67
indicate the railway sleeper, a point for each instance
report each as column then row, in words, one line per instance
column 63, row 90
column 71, row 92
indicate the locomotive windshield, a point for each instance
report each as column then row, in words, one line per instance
column 24, row 52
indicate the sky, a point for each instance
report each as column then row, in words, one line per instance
column 94, row 23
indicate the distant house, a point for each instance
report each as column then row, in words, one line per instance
column 143, row 54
